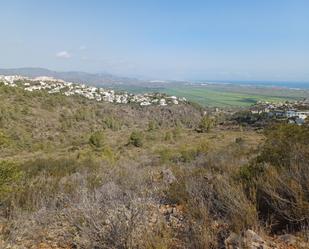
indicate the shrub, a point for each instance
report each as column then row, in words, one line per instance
column 10, row 174
column 136, row 139
column 168, row 136
column 224, row 199
column 203, row 147
column 152, row 125
column 45, row 180
column 177, row 192
column 177, row 132
column 109, row 155
column 97, row 139
column 173, row 135
column 285, row 144
column 166, row 155
column 57, row 167
column 239, row 140
column 188, row 154
column 280, row 175
column 206, row 124
column 283, row 199
column 3, row 139
column 111, row 123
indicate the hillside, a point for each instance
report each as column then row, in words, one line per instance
column 42, row 119
column 81, row 173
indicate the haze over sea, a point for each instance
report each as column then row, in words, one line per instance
column 280, row 84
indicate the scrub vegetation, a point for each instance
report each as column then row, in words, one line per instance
column 75, row 173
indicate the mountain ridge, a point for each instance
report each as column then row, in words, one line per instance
column 74, row 76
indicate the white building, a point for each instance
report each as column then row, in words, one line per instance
column 299, row 114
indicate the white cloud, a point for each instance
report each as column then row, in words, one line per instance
column 63, row 54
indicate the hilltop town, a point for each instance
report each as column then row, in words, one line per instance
column 288, row 111
column 292, row 111
column 52, row 86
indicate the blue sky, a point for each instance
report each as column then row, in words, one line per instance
column 160, row 39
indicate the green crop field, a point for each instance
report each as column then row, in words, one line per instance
column 220, row 97
column 225, row 95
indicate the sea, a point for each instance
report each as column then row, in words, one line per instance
column 283, row 84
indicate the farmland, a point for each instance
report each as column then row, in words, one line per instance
column 222, row 95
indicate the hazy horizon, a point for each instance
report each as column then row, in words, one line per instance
column 174, row 40
column 258, row 83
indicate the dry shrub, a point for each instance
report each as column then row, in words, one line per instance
column 113, row 218
column 203, row 233
column 108, row 217
column 224, row 199
column 280, row 175
column 38, row 183
column 284, row 198
column 136, row 139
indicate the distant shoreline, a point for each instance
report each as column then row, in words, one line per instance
column 283, row 84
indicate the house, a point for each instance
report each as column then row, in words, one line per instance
column 296, row 120
column 162, row 102
column 300, row 114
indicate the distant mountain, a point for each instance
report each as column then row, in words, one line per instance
column 74, row 76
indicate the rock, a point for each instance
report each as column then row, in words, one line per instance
column 168, row 176
column 174, row 210
column 233, row 241
column 153, row 219
column 163, row 210
column 169, row 210
column 250, row 235
column 174, row 221
column 251, row 240
column 303, row 245
column 288, row 239
column 180, row 208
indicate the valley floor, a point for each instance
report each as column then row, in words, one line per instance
column 220, row 95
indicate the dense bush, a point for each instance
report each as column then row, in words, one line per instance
column 280, row 175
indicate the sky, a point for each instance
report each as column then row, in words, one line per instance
column 244, row 40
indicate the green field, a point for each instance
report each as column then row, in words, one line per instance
column 225, row 95
column 222, row 97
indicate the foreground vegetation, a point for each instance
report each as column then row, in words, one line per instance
column 79, row 174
